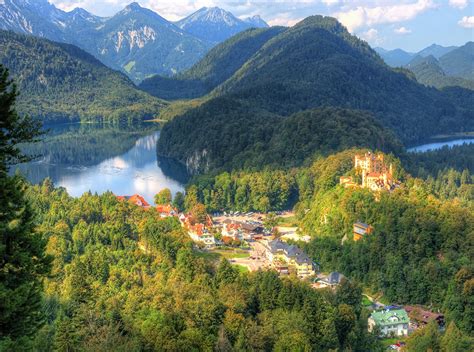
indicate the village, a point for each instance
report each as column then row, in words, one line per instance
column 256, row 241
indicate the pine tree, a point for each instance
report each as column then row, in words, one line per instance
column 23, row 262
column 13, row 128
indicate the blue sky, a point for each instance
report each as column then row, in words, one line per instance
column 408, row 24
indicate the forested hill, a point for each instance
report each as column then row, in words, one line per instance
column 215, row 68
column 227, row 134
column 316, row 63
column 60, row 82
column 429, row 72
column 455, row 68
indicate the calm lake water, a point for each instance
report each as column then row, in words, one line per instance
column 101, row 158
column 439, row 145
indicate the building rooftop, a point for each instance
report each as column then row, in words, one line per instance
column 423, row 315
column 362, row 224
column 135, row 199
column 335, row 277
column 390, row 317
column 291, row 251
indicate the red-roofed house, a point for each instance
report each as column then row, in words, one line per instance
column 136, row 199
column 232, row 230
column 166, row 210
column 198, row 232
column 421, row 317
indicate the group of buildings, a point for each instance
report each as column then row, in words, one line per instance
column 375, row 173
column 286, row 259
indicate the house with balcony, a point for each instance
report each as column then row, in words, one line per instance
column 389, row 322
column 288, row 259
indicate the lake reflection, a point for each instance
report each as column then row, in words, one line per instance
column 127, row 162
column 439, row 145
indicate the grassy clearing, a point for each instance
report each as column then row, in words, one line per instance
column 233, row 253
column 241, row 268
column 228, row 253
column 290, row 221
column 366, row 302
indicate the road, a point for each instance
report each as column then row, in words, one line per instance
column 257, row 259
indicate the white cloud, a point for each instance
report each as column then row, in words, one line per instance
column 386, row 13
column 460, row 4
column 402, row 30
column 467, row 22
column 330, row 2
column 372, row 37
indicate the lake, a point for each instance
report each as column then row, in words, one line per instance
column 100, row 158
column 438, row 145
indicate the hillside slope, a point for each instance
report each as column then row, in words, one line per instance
column 429, row 72
column 215, row 68
column 316, row 63
column 396, row 57
column 459, row 62
column 60, row 82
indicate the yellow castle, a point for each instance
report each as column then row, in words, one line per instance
column 375, row 173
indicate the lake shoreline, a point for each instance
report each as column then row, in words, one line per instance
column 440, row 143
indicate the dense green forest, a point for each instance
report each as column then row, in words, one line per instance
column 302, row 68
column 429, row 163
column 123, row 279
column 60, row 82
column 215, row 68
column 230, row 134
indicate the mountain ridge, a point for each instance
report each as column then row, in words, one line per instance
column 399, row 57
column 216, row 25
column 219, row 64
column 455, row 68
column 136, row 40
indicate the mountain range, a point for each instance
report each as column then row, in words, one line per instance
column 455, row 68
column 399, row 57
column 315, row 64
column 137, row 41
column 59, row 82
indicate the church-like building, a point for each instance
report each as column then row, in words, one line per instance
column 376, row 175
